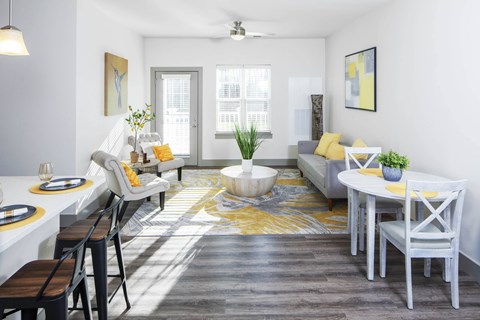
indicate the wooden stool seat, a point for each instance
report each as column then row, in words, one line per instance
column 77, row 231
column 27, row 281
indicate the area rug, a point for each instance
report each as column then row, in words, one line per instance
column 199, row 205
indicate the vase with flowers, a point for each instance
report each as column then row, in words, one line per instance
column 136, row 120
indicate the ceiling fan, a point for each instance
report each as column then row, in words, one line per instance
column 237, row 32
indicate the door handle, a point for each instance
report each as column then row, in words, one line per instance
column 194, row 125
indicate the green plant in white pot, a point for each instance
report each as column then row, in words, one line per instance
column 393, row 165
column 248, row 142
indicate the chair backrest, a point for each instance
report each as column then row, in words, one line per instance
column 77, row 253
column 117, row 180
column 440, row 212
column 371, row 152
column 144, row 137
column 113, row 213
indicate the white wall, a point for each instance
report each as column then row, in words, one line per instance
column 288, row 58
column 427, row 88
column 97, row 34
column 37, row 93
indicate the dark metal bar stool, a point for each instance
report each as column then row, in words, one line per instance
column 47, row 284
column 107, row 230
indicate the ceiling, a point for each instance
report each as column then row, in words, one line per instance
column 206, row 18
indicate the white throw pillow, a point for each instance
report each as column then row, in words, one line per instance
column 147, row 147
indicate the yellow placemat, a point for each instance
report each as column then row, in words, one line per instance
column 376, row 172
column 400, row 188
column 37, row 215
column 36, row 189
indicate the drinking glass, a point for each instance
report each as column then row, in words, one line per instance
column 45, row 171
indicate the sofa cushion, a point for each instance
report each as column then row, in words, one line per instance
column 325, row 141
column 314, row 165
column 335, row 152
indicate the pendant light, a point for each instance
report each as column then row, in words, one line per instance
column 11, row 39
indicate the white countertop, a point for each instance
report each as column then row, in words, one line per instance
column 15, row 191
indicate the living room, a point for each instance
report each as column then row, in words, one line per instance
column 52, row 109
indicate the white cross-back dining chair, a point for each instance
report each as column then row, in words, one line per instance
column 437, row 236
column 381, row 205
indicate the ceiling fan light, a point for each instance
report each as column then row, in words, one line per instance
column 237, row 34
column 11, row 42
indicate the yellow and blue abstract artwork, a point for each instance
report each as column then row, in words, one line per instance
column 360, row 80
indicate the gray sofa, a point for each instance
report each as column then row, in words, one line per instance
column 321, row 172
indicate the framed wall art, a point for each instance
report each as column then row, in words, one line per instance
column 116, row 84
column 360, row 80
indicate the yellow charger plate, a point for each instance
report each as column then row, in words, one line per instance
column 400, row 189
column 36, row 189
column 375, row 172
column 37, row 215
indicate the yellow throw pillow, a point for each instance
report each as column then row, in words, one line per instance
column 360, row 144
column 131, row 175
column 325, row 141
column 335, row 152
column 163, row 153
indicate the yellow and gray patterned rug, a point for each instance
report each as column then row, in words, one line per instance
column 199, row 205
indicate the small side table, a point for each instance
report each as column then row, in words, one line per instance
column 141, row 167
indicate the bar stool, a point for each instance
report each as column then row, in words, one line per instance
column 107, row 230
column 47, row 284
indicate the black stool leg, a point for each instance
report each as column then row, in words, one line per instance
column 99, row 260
column 57, row 310
column 121, row 266
column 87, row 308
column 149, row 198
column 58, row 250
column 110, row 199
column 29, row 314
column 122, row 210
column 162, row 200
column 179, row 174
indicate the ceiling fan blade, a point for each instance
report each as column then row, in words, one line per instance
column 258, row 34
column 229, row 26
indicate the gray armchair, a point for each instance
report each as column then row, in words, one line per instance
column 119, row 185
column 163, row 166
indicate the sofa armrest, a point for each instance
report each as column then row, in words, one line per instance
column 307, row 146
column 335, row 188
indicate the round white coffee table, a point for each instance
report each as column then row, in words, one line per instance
column 254, row 184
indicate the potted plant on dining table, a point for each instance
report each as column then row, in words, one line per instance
column 248, row 142
column 393, row 165
column 137, row 120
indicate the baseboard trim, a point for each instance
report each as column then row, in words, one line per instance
column 258, row 162
column 470, row 267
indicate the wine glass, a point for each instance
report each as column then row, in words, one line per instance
column 45, row 171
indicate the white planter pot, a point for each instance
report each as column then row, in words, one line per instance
column 247, row 165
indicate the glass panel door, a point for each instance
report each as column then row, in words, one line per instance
column 176, row 110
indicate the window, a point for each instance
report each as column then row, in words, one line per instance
column 243, row 96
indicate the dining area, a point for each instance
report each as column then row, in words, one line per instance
column 30, row 215
column 427, row 210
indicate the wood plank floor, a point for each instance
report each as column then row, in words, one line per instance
column 275, row 277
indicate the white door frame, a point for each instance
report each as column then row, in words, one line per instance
column 153, row 99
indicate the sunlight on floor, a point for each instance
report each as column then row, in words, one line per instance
column 169, row 262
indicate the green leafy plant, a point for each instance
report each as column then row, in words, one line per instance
column 137, row 120
column 393, row 160
column 248, row 140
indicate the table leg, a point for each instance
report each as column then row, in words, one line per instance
column 370, row 236
column 353, row 213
